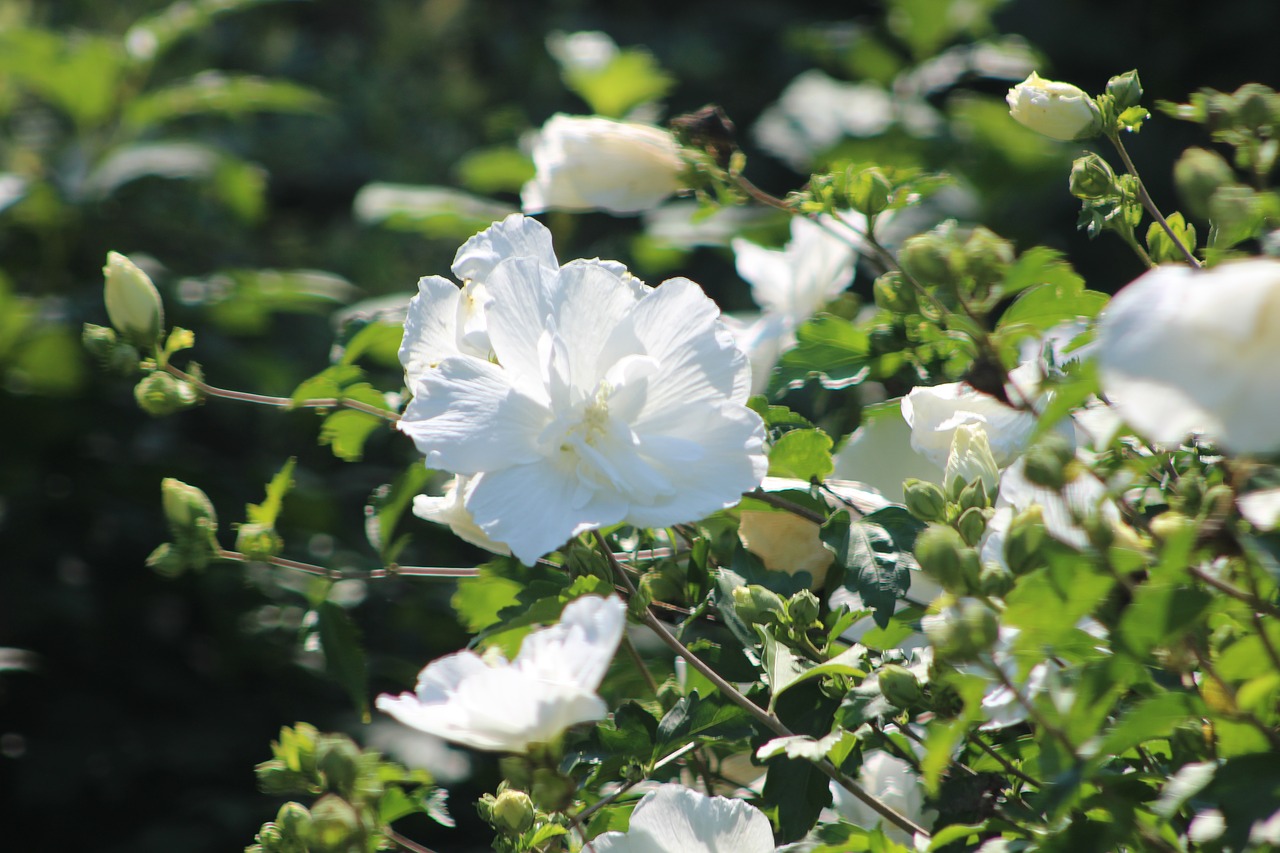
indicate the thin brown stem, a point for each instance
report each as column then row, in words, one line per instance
column 346, row 574
column 1149, row 203
column 1030, row 707
column 782, row 503
column 1234, row 592
column 281, row 402
column 768, row 720
column 405, row 843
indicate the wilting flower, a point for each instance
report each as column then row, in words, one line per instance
column 792, row 284
column 890, row 780
column 1185, row 351
column 508, row 706
column 592, row 163
column 598, row 399
column 1057, row 110
column 674, row 819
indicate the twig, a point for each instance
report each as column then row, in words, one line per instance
column 1149, row 203
column 281, row 402
column 1233, row 591
column 782, row 503
column 406, row 843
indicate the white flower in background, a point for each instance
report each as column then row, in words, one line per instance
column 1000, row 704
column 935, row 412
column 816, row 111
column 450, row 510
column 592, row 163
column 970, row 459
column 506, row 706
column 1185, row 351
column 586, row 51
column 893, row 782
column 879, row 453
column 792, row 284
column 601, row 400
column 1057, row 110
column 675, row 819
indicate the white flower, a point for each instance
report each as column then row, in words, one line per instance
column 880, row 454
column 1057, row 110
column 450, row 509
column 601, row 400
column 816, row 111
column 1185, row 351
column 588, row 51
column 592, row 163
column 970, row 459
column 935, row 412
column 674, row 819
column 507, row 707
column 893, row 782
column 792, row 284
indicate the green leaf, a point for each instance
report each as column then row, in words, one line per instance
column 629, row 733
column 153, row 35
column 80, row 76
column 693, row 718
column 846, row 664
column 1189, row 781
column 875, row 565
column 343, row 655
column 267, row 511
column 1046, row 305
column 801, row 453
column 433, row 211
column 633, row 77
column 387, row 506
column 479, row 600
column 782, row 666
column 378, row 340
column 955, row 832
column 1160, row 613
column 803, row 746
column 243, row 301
column 396, row 804
column 1039, row 266
column 828, row 348
column 795, row 793
column 345, row 432
column 494, row 170
column 218, row 93
column 1154, row 717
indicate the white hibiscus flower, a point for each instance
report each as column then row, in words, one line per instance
column 674, row 819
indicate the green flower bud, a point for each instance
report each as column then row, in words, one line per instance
column 1046, row 463
column 1126, row 90
column 973, row 496
column 939, row 551
column 802, row 609
column 294, row 821
column 185, row 506
column 899, row 685
column 270, row 839
column 1198, row 174
column 133, row 303
column 1092, row 177
column 987, row 256
column 928, row 259
column 995, row 580
column 972, row 523
column 258, row 541
column 335, row 824
column 869, row 191
column 924, row 500
column 338, row 759
column 512, row 811
column 895, row 295
column 962, row 631
column 159, row 394
column 1022, row 542
column 166, row 561
column 757, row 605
column 275, row 776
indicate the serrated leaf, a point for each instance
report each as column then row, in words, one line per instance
column 267, row 511
column 1039, row 266
column 345, row 433
column 344, row 658
column 875, row 566
column 694, row 718
column 846, row 664
column 218, row 93
column 804, row 454
column 828, row 348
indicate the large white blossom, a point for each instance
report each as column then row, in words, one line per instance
column 675, row 819
column 575, row 397
column 502, row 706
column 890, row 780
column 593, row 163
column 1185, row 351
column 792, row 284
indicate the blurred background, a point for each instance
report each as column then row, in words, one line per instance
column 281, row 168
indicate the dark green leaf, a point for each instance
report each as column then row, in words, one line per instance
column 795, row 793
column 875, row 566
column 216, row 93
column 830, row 349
column 343, row 655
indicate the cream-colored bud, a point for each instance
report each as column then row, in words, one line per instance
column 133, row 303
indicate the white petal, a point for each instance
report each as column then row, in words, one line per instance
column 674, row 819
column 449, row 509
column 514, row 237
column 935, row 412
column 880, row 454
column 528, row 294
column 579, row 648
column 430, row 334
column 466, row 418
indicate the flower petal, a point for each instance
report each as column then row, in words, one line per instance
column 579, row 648
column 430, row 332
column 675, row 819
column 514, row 237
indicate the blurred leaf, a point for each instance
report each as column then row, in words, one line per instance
column 151, row 36
column 434, row 211
column 830, row 349
column 343, row 655
column 242, row 301
column 48, row 360
column 695, row 719
column 242, row 187
column 801, row 453
column 492, row 170
column 379, row 340
column 633, row 77
column 345, row 433
column 1040, row 265
column 1062, row 299
column 78, row 74
column 1154, row 717
column 217, row 93
column 386, row 507
column 267, row 511
column 479, row 600
column 1160, row 614
column 928, row 25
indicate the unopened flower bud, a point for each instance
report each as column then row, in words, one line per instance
column 899, row 685
column 1046, row 462
column 1022, row 543
column 258, row 541
column 928, row 259
column 1126, row 90
column 1198, row 174
column 108, row 350
column 995, row 580
column 756, row 605
column 962, row 631
column 802, row 609
column 1057, row 110
column 1092, row 177
column 512, row 811
column 334, row 825
column 270, row 839
column 971, row 524
column 924, row 500
column 969, row 460
column 939, row 551
column 159, row 394
column 185, row 507
column 338, row 758
column 275, row 777
column 869, row 191
column 895, row 295
column 294, row 821
column 987, row 255
column 973, row 496
column 133, row 303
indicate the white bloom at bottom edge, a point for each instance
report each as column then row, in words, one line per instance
column 508, row 706
column 674, row 819
column 1183, row 350
column 890, row 780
